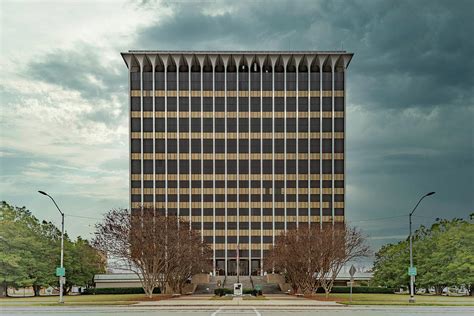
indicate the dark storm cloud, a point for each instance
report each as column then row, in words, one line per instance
column 410, row 90
column 408, row 53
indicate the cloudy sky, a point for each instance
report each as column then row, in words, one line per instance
column 410, row 97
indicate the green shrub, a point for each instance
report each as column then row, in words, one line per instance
column 252, row 292
column 119, row 290
column 222, row 291
column 360, row 289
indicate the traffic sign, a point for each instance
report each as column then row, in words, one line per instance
column 60, row 272
column 258, row 287
column 412, row 271
column 352, row 270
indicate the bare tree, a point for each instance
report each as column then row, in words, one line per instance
column 191, row 256
column 296, row 254
column 311, row 257
column 343, row 244
column 148, row 243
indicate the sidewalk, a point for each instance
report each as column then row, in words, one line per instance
column 205, row 300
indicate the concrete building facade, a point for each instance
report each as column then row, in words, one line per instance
column 242, row 145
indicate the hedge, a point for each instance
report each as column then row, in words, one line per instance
column 252, row 292
column 119, row 290
column 360, row 289
column 223, row 291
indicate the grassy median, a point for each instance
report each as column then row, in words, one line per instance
column 99, row 299
column 397, row 299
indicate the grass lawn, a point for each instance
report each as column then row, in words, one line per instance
column 99, row 299
column 398, row 299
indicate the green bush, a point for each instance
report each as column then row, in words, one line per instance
column 119, row 290
column 223, row 291
column 360, row 289
column 252, row 292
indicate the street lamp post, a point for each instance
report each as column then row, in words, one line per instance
column 412, row 275
column 61, row 278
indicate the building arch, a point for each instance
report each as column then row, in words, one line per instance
column 303, row 65
column 267, row 65
column 243, row 65
column 171, row 64
column 160, row 66
column 291, row 66
column 219, row 64
column 254, row 65
column 195, row 65
column 279, row 66
column 315, row 65
column 207, row 65
column 183, row 64
column 231, row 66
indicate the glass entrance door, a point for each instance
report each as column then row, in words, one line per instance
column 243, row 267
column 232, row 267
column 255, row 266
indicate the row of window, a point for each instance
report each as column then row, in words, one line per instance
column 291, row 145
column 244, row 167
column 278, row 184
column 254, row 212
column 243, row 125
column 266, row 82
column 218, row 104
column 242, row 211
column 230, row 198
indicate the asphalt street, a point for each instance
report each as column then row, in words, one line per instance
column 240, row 311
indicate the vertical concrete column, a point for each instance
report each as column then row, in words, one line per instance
column 309, row 63
column 224, row 60
column 249, row 63
column 273, row 63
column 322, row 59
column 261, row 60
column 177, row 60
column 152, row 60
column 165, row 64
column 201, row 65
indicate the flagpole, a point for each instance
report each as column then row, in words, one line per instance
column 238, row 264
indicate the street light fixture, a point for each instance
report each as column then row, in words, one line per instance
column 61, row 277
column 412, row 271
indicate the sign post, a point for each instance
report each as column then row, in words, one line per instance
column 352, row 271
column 238, row 289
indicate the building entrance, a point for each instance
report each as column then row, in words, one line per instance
column 232, row 267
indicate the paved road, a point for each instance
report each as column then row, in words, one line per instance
column 238, row 311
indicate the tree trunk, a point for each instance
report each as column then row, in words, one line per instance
column 4, row 290
column 295, row 288
column 36, row 290
column 148, row 291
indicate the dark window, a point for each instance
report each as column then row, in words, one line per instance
column 148, row 124
column 279, row 125
column 136, row 125
column 339, row 125
column 136, row 146
column 172, row 125
column 136, row 166
column 255, row 125
column 148, row 145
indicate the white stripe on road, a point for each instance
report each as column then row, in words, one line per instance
column 217, row 311
column 220, row 309
column 256, row 311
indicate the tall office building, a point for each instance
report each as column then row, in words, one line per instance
column 243, row 145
